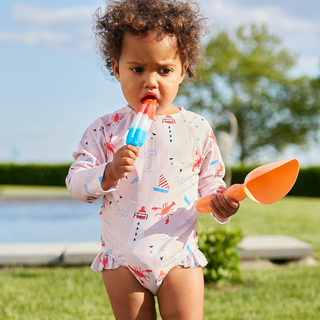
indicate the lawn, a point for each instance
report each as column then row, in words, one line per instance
column 283, row 292
column 24, row 190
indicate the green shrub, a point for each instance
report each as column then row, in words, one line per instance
column 220, row 249
column 33, row 174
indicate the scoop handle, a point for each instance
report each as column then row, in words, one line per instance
column 202, row 204
column 235, row 192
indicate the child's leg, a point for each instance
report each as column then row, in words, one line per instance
column 181, row 294
column 129, row 299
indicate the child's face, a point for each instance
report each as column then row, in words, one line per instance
column 150, row 68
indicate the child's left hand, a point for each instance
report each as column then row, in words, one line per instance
column 222, row 206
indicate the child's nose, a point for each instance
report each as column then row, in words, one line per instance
column 151, row 80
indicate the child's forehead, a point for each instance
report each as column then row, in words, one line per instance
column 166, row 41
column 150, row 45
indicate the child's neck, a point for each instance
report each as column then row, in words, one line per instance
column 170, row 110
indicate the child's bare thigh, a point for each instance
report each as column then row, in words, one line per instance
column 129, row 299
column 181, row 294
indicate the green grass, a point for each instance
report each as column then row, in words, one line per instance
column 13, row 190
column 52, row 293
column 286, row 292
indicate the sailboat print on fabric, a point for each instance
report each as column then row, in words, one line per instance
column 163, row 185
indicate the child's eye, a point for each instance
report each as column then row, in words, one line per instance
column 165, row 71
column 137, row 69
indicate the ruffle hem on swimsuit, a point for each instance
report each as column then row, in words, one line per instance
column 105, row 261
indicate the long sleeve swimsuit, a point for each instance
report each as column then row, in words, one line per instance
column 149, row 221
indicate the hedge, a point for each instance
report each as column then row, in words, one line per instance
column 307, row 184
column 33, row 174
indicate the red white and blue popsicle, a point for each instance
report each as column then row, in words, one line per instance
column 141, row 123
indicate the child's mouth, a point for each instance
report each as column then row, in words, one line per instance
column 147, row 97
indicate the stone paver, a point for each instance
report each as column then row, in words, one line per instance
column 31, row 254
column 79, row 253
column 274, row 247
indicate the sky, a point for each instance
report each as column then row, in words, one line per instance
column 52, row 81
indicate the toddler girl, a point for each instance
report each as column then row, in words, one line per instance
column 149, row 222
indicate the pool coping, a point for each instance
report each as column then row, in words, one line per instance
column 251, row 248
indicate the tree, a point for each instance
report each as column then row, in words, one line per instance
column 248, row 74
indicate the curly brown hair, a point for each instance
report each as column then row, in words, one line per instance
column 181, row 19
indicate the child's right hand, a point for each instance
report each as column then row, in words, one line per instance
column 122, row 163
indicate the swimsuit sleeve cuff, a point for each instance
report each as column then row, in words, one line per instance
column 221, row 221
column 112, row 188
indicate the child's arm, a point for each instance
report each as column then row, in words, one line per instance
column 223, row 207
column 122, row 163
column 93, row 154
column 211, row 178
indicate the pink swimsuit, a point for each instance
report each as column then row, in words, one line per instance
column 149, row 222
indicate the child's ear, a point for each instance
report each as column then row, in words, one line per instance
column 115, row 68
column 184, row 70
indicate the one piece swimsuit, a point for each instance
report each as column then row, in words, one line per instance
column 149, row 221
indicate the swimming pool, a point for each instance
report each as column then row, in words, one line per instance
column 72, row 221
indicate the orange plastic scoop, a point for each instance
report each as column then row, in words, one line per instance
column 265, row 184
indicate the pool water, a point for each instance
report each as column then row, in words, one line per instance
column 50, row 222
